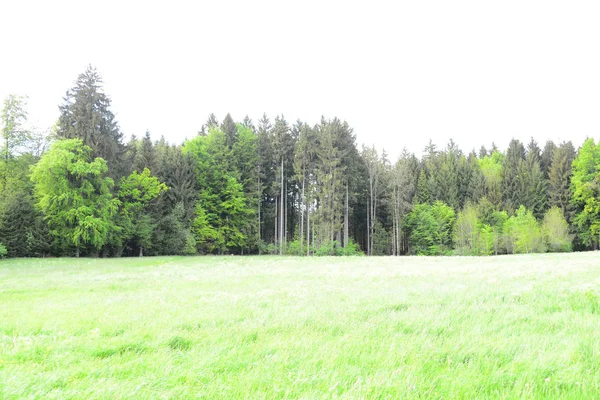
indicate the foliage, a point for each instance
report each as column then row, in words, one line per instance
column 3, row 250
column 522, row 233
column 223, row 213
column 556, row 231
column 85, row 114
column 472, row 236
column 245, row 188
column 585, row 187
column 14, row 135
column 74, row 194
column 430, row 228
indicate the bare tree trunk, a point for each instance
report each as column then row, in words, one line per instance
column 313, row 238
column 258, row 191
column 275, row 238
column 141, row 251
column 77, row 251
column 368, row 229
column 285, row 218
column 281, row 206
column 346, row 222
column 302, row 206
column 308, row 232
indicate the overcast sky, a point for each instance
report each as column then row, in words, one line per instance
column 400, row 72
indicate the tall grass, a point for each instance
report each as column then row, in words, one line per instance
column 270, row 327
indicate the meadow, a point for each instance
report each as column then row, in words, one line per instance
column 277, row 327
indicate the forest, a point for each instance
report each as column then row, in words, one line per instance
column 276, row 187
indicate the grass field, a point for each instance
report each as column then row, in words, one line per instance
column 269, row 327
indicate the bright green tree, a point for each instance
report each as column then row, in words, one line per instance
column 523, row 233
column 223, row 214
column 585, row 185
column 74, row 194
column 430, row 228
column 556, row 231
column 135, row 194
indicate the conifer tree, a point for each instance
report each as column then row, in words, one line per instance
column 86, row 115
column 511, row 188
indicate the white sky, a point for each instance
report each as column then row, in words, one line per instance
column 399, row 72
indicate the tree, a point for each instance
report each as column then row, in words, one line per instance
column 14, row 116
column 491, row 185
column 523, row 234
column 85, row 115
column 74, row 194
column 531, row 182
column 430, row 228
column 547, row 157
column 136, row 191
column 145, row 154
column 22, row 228
column 472, row 236
column 585, row 187
column 375, row 169
column 559, row 179
column 422, row 194
column 230, row 129
column 556, row 231
column 402, row 185
column 512, row 189
column 223, row 214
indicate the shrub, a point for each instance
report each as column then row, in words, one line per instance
column 522, row 233
column 3, row 250
column 556, row 231
column 430, row 228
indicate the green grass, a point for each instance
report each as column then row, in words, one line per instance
column 269, row 327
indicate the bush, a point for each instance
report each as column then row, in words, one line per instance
column 430, row 229
column 352, row 249
column 522, row 233
column 556, row 231
column 3, row 250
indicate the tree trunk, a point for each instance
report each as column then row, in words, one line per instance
column 346, row 222
column 141, row 251
column 275, row 238
column 308, row 233
column 281, row 206
column 77, row 251
column 302, row 206
column 285, row 218
column 259, row 201
column 368, row 229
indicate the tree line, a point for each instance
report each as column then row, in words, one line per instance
column 274, row 187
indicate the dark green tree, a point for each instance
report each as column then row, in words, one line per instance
column 511, row 188
column 86, row 115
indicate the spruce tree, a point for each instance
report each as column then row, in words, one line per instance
column 559, row 179
column 511, row 187
column 86, row 115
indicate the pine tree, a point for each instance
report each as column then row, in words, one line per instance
column 85, row 114
column 230, row 129
column 145, row 156
column 559, row 179
column 547, row 157
column 511, row 189
column 531, row 182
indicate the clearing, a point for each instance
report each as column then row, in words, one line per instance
column 279, row 327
